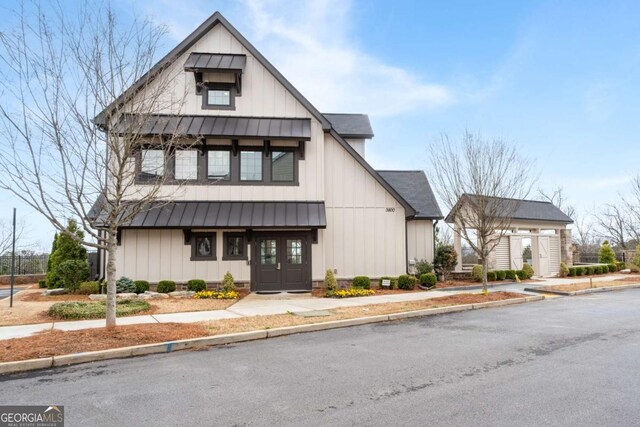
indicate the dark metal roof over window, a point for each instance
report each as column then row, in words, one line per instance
column 351, row 125
column 220, row 126
column 187, row 215
column 414, row 187
column 215, row 61
column 526, row 210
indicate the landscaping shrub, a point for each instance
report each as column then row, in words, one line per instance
column 588, row 270
column 95, row 310
column 428, row 280
column 501, row 274
column 125, row 285
column 216, row 295
column 571, row 272
column 361, row 282
column 353, row 292
column 71, row 272
column 88, row 288
column 407, row 282
column 142, row 286
column 636, row 258
column 621, row 265
column 166, row 286
column 491, row 276
column 445, row 260
column 606, row 254
column 564, row 270
column 393, row 282
column 196, row 285
column 65, row 248
column 476, row 273
column 228, row 285
column 613, row 267
column 330, row 282
column 521, row 274
column 510, row 274
column 423, row 267
column 579, row 271
column 528, row 271
column 42, row 284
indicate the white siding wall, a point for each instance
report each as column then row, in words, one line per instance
column 361, row 238
column 503, row 255
column 554, row 254
column 156, row 255
column 420, row 240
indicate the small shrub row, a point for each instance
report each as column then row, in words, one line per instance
column 216, row 295
column 95, row 310
column 196, row 285
column 493, row 275
column 592, row 269
column 348, row 293
column 166, row 286
column 88, row 288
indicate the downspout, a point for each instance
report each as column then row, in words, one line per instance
column 435, row 245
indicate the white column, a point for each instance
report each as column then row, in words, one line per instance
column 457, row 245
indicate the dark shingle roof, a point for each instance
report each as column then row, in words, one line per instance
column 224, row 215
column 224, row 126
column 414, row 187
column 527, row 210
column 351, row 125
column 215, row 61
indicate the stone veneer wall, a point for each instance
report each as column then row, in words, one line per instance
column 566, row 250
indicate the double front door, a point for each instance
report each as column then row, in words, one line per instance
column 281, row 261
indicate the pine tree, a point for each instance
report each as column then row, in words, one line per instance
column 606, row 255
column 65, row 248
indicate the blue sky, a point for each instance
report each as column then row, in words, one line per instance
column 558, row 79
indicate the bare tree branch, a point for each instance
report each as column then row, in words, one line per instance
column 62, row 71
column 558, row 198
column 482, row 182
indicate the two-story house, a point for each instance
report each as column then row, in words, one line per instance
column 275, row 191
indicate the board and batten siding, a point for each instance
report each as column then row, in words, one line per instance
column 554, row 255
column 365, row 232
column 156, row 255
column 502, row 255
column 420, row 240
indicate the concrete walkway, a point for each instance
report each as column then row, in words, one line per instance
column 251, row 305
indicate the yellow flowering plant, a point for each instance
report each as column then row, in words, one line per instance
column 347, row 293
column 216, row 295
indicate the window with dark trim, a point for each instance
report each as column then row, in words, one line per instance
column 219, row 165
column 235, row 246
column 282, row 166
column 219, row 96
column 203, row 246
column 186, row 166
column 250, row 165
column 152, row 164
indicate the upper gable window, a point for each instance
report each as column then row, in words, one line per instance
column 219, row 96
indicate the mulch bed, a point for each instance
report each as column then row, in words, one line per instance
column 56, row 342
column 320, row 292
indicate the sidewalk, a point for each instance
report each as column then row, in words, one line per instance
column 519, row 287
column 251, row 305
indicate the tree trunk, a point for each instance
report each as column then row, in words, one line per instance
column 485, row 268
column 112, row 245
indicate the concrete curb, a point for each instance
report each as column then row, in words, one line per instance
column 194, row 343
column 585, row 291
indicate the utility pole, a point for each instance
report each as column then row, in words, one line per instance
column 13, row 258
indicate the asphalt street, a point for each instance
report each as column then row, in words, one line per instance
column 565, row 361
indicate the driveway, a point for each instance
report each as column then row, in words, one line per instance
column 566, row 361
column 6, row 292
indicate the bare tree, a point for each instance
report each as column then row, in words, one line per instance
column 632, row 207
column 6, row 236
column 613, row 224
column 71, row 127
column 482, row 182
column 558, row 198
column 584, row 235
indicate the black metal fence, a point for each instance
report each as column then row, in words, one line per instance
column 25, row 264
column 592, row 257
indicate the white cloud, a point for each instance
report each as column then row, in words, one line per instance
column 310, row 43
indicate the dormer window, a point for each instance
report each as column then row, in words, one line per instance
column 219, row 96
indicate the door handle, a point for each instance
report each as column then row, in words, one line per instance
column 278, row 266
